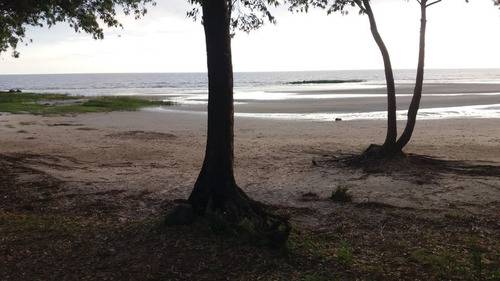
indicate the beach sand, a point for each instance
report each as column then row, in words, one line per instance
column 112, row 156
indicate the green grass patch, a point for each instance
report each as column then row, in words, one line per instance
column 429, row 258
column 121, row 103
column 342, row 193
column 473, row 264
column 57, row 104
column 23, row 227
column 345, row 252
column 6, row 97
column 322, row 247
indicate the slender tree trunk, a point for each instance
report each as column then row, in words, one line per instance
column 392, row 130
column 417, row 93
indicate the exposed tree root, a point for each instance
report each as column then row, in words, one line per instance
column 455, row 166
column 422, row 167
column 255, row 222
column 237, row 212
column 376, row 153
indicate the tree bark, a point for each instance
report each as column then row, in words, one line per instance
column 215, row 189
column 417, row 93
column 392, row 130
column 215, row 193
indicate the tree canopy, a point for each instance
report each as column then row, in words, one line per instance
column 81, row 15
column 340, row 5
column 245, row 15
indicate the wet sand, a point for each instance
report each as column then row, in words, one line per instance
column 311, row 100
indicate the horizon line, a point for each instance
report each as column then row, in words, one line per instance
column 251, row 71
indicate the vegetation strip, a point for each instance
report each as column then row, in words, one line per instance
column 56, row 104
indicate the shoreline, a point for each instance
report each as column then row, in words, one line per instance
column 438, row 101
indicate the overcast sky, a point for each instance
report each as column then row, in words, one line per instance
column 459, row 35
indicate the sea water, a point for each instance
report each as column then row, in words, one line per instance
column 191, row 88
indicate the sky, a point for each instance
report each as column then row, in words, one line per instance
column 459, row 35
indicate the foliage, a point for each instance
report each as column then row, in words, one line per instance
column 32, row 103
column 81, row 15
column 340, row 5
column 341, row 193
column 246, row 15
column 328, row 5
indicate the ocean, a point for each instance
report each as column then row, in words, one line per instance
column 255, row 89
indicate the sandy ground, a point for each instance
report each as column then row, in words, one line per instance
column 159, row 156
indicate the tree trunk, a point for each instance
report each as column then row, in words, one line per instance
column 392, row 130
column 417, row 93
column 215, row 192
column 215, row 189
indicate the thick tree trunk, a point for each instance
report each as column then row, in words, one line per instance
column 215, row 192
column 392, row 131
column 216, row 175
column 215, row 189
column 417, row 93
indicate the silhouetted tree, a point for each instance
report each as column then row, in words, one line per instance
column 392, row 129
column 365, row 8
column 81, row 15
column 417, row 92
column 215, row 191
column 392, row 145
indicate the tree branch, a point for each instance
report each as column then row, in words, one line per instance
column 435, row 2
column 360, row 5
